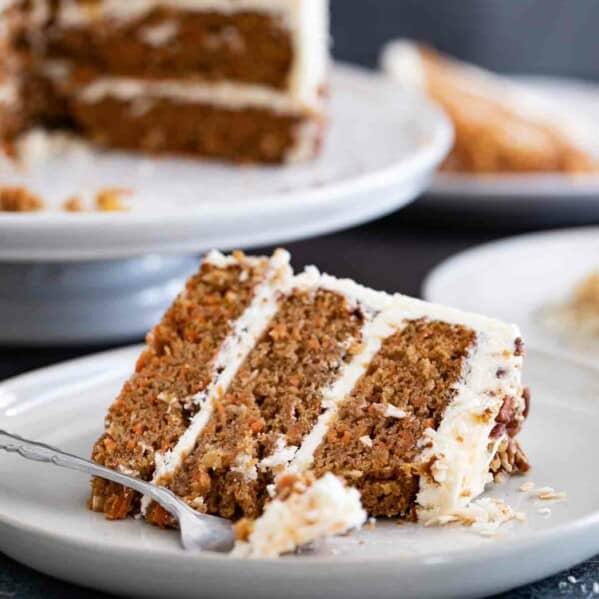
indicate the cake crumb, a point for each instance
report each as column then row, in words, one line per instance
column 488, row 532
column 500, row 478
column 527, row 486
column 371, row 524
column 19, row 199
column 74, row 204
column 392, row 411
column 441, row 521
column 550, row 494
column 113, row 199
column 520, row 516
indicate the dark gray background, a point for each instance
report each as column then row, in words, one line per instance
column 520, row 36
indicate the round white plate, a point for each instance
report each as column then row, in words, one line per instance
column 517, row 279
column 541, row 196
column 380, row 154
column 44, row 522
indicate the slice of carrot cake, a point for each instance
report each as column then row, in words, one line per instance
column 264, row 397
column 501, row 126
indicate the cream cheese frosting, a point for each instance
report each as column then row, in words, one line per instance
column 324, row 509
column 224, row 94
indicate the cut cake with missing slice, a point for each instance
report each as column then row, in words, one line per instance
column 241, row 80
column 262, row 393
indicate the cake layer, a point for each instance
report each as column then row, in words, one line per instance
column 165, row 126
column 171, row 42
column 156, row 405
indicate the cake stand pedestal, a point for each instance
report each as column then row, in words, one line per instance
column 87, row 302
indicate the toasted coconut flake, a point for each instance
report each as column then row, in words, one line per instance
column 554, row 496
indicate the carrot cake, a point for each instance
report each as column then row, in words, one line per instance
column 268, row 398
column 243, row 80
column 500, row 126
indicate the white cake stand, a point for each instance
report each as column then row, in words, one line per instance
column 99, row 277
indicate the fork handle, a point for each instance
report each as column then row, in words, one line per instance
column 40, row 452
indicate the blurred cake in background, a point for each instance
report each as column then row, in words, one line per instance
column 240, row 80
column 501, row 126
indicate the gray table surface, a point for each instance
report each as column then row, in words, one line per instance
column 394, row 254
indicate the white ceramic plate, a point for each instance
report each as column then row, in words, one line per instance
column 44, row 522
column 542, row 196
column 517, row 278
column 380, row 154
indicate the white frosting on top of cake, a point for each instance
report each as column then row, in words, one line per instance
column 369, row 299
column 236, row 347
column 324, row 509
column 221, row 260
column 402, row 60
column 73, row 13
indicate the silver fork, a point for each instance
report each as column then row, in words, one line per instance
column 199, row 532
